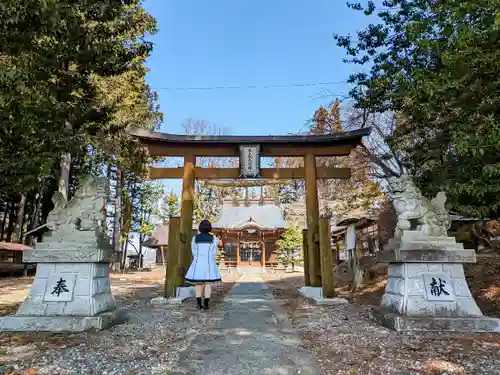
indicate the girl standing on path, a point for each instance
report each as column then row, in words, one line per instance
column 203, row 270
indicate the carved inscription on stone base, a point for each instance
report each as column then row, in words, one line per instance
column 59, row 288
column 438, row 287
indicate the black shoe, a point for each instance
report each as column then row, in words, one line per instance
column 198, row 302
column 205, row 305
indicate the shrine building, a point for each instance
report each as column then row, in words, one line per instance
column 249, row 232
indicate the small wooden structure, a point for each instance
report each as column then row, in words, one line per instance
column 249, row 233
column 463, row 229
column 250, row 149
column 363, row 231
column 360, row 233
column 11, row 259
column 159, row 242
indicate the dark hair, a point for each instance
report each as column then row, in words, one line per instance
column 205, row 227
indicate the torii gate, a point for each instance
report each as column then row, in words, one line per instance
column 249, row 149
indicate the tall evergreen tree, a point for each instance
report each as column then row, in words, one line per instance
column 72, row 80
column 435, row 64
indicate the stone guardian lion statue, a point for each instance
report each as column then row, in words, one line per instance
column 416, row 212
column 84, row 212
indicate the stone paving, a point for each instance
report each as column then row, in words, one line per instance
column 249, row 336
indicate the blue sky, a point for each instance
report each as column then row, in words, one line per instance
column 242, row 43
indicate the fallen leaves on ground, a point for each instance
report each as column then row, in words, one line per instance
column 9, row 309
column 41, row 339
column 9, row 370
column 151, row 337
column 344, row 341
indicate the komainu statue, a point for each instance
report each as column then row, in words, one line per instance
column 84, row 212
column 416, row 212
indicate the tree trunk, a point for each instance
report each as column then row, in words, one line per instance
column 46, row 204
column 33, row 220
column 12, row 217
column 18, row 229
column 142, row 238
column 63, row 183
column 337, row 253
column 140, row 259
column 76, row 171
column 123, row 261
column 109, row 172
column 4, row 219
column 118, row 210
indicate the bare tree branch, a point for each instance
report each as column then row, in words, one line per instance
column 386, row 160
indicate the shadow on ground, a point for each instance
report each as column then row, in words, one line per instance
column 127, row 295
column 483, row 278
column 248, row 335
column 345, row 341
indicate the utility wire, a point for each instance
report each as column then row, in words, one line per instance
column 249, row 86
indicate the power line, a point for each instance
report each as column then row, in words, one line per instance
column 249, row 86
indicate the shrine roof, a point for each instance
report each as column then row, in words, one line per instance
column 158, row 238
column 349, row 137
column 356, row 219
column 11, row 246
column 268, row 216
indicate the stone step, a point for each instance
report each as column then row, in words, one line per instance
column 243, row 270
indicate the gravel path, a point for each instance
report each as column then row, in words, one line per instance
column 249, row 336
column 148, row 343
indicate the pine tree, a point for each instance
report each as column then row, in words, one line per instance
column 289, row 247
column 171, row 206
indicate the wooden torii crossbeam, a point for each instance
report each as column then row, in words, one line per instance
column 156, row 173
column 306, row 146
column 242, row 183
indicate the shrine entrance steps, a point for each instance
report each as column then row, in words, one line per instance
column 246, row 270
column 249, row 335
column 250, row 270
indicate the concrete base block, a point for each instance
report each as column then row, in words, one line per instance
column 162, row 301
column 183, row 293
column 315, row 296
column 400, row 323
column 57, row 323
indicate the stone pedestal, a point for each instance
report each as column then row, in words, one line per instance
column 426, row 288
column 71, row 290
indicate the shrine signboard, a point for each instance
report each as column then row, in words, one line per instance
column 249, row 161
